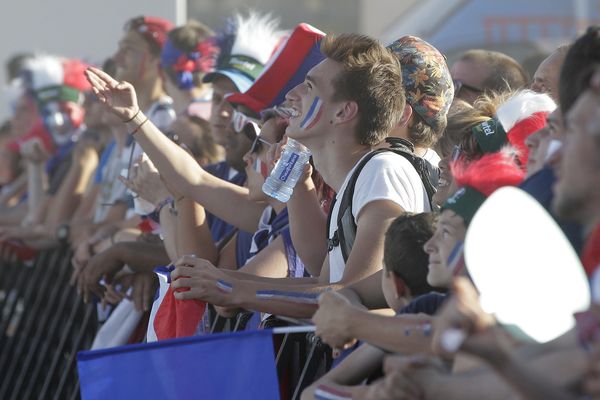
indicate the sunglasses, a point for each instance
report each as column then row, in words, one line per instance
column 257, row 144
column 243, row 123
column 458, row 85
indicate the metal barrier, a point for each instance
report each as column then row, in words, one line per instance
column 301, row 358
column 43, row 323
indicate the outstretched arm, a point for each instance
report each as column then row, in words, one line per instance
column 365, row 260
column 176, row 166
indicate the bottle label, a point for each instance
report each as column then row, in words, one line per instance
column 288, row 167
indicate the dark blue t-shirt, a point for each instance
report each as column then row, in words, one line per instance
column 539, row 186
column 220, row 229
column 428, row 303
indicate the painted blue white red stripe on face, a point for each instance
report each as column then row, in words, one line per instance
column 313, row 115
column 224, row 286
column 297, row 297
column 456, row 260
column 324, row 392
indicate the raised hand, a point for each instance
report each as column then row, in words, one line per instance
column 120, row 97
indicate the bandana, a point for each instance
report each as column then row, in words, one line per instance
column 426, row 80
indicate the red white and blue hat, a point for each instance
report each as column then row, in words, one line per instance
column 287, row 68
column 246, row 45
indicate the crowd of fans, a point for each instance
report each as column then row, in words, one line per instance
column 151, row 166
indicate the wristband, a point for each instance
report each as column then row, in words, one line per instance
column 134, row 115
column 163, row 203
column 138, row 127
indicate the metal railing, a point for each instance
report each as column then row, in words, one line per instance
column 43, row 323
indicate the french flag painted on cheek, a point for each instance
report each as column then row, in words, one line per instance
column 456, row 260
column 313, row 115
column 171, row 318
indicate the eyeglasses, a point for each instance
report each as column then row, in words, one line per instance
column 243, row 123
column 458, row 85
column 257, row 145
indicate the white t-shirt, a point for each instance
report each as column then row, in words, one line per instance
column 387, row 176
column 431, row 156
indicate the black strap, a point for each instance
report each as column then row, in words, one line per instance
column 346, row 226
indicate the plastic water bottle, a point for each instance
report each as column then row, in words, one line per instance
column 280, row 184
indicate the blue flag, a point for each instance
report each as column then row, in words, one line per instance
column 238, row 365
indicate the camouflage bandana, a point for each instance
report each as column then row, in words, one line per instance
column 426, row 80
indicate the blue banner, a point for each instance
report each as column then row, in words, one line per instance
column 225, row 366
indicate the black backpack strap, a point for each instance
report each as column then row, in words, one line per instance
column 427, row 172
column 346, row 226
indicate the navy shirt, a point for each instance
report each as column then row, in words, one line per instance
column 428, row 303
column 539, row 186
